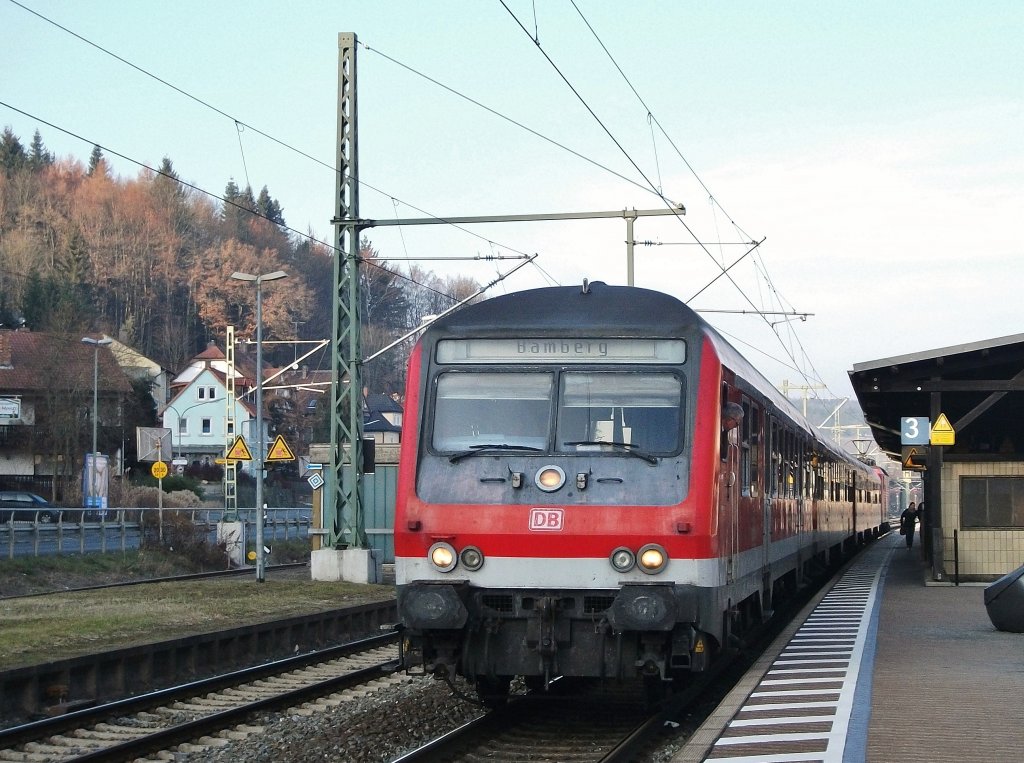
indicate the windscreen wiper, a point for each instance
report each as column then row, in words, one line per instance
column 478, row 449
column 625, row 447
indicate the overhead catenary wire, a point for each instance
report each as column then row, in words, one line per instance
column 669, row 204
column 625, row 153
column 210, row 194
column 239, row 125
column 510, row 120
column 651, row 118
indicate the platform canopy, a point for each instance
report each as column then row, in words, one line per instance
column 979, row 386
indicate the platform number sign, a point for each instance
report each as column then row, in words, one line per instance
column 914, row 430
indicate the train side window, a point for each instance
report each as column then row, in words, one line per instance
column 732, row 420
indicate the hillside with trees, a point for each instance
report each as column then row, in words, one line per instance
column 148, row 260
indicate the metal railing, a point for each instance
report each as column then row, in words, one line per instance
column 91, row 531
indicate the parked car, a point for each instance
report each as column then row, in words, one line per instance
column 24, row 505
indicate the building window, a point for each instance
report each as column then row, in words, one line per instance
column 182, row 425
column 201, row 393
column 207, row 426
column 211, row 393
column 231, row 427
column 990, row 502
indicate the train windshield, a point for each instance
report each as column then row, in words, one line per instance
column 592, row 411
column 641, row 410
column 475, row 409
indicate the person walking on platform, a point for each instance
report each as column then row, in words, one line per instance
column 908, row 523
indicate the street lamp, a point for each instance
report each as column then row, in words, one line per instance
column 261, row 573
column 96, row 344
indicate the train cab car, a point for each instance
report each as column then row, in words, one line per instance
column 593, row 483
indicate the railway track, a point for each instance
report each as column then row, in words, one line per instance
column 233, row 573
column 604, row 725
column 204, row 713
column 594, row 725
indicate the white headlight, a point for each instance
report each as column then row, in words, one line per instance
column 652, row 558
column 550, row 478
column 442, row 556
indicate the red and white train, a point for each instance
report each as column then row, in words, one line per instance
column 594, row 483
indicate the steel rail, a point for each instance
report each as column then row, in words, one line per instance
column 40, row 729
column 169, row 579
column 164, row 738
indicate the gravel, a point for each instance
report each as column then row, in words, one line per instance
column 376, row 723
column 371, row 724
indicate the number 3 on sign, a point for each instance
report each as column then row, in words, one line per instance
column 914, row 430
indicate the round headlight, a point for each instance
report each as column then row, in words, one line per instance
column 550, row 478
column 442, row 556
column 472, row 558
column 652, row 558
column 622, row 559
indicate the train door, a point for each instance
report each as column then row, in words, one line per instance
column 775, row 474
column 752, row 475
column 728, row 487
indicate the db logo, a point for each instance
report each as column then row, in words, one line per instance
column 546, row 519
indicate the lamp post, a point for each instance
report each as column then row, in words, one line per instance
column 96, row 344
column 261, row 573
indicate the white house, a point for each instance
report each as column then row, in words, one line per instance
column 197, row 413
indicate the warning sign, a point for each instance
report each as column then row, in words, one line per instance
column 280, row 451
column 239, row 451
column 915, row 457
column 942, row 431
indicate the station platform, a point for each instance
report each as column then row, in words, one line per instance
column 881, row 667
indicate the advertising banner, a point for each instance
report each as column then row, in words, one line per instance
column 96, row 481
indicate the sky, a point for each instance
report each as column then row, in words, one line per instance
column 877, row 148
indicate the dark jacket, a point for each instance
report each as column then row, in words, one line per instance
column 908, row 520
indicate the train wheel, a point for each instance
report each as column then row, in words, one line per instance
column 493, row 691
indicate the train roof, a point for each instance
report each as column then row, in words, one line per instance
column 612, row 311
column 600, row 307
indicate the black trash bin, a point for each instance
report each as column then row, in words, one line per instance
column 1004, row 601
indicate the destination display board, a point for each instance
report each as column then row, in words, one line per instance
column 561, row 350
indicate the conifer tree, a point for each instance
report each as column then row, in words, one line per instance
column 95, row 160
column 12, row 153
column 39, row 157
column 269, row 207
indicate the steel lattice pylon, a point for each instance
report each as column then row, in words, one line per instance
column 345, row 527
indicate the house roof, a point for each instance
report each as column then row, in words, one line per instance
column 33, row 361
column 382, row 403
column 180, row 391
column 214, row 359
column 212, row 352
